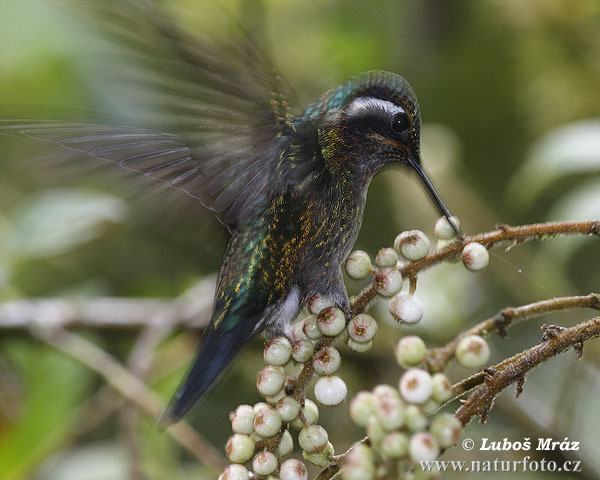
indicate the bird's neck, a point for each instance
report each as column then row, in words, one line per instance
column 342, row 160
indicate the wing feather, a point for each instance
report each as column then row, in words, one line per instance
column 220, row 113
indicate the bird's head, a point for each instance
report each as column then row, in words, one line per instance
column 368, row 122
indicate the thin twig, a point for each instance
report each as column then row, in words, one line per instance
column 139, row 363
column 333, row 468
column 516, row 235
column 190, row 310
column 555, row 341
column 131, row 388
column 438, row 358
column 505, row 233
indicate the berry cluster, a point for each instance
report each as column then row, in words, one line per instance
column 395, row 418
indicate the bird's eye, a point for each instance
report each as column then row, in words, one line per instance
column 400, row 122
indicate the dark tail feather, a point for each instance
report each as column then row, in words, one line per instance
column 216, row 352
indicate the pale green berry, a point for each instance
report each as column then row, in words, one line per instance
column 298, row 331
column 320, row 458
column 475, row 257
column 302, row 350
column 362, row 328
column 242, row 419
column 416, row 421
column 362, row 407
column 430, row 406
column 288, row 408
column 234, row 472
column 383, row 390
column 331, row 321
column 473, row 351
column 293, row 469
column 423, row 447
column 389, row 408
column 286, row 445
column 327, row 360
column 388, row 281
column 406, row 308
column 267, row 422
column 375, row 429
column 318, row 303
column 386, row 257
column 358, row 265
column 264, row 463
column 442, row 388
column 416, row 386
column 446, row 428
column 278, row 351
column 239, row 448
column 259, row 406
column 330, row 390
column 310, row 412
column 395, row 445
column 410, row 351
column 359, row 347
column 413, row 245
column 256, row 437
column 313, row 438
column 311, row 328
column 359, row 464
column 273, row 399
column 269, row 380
column 444, row 230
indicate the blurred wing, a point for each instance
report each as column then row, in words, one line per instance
column 224, row 109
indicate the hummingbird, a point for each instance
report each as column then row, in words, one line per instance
column 289, row 187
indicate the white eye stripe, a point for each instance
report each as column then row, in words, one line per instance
column 361, row 105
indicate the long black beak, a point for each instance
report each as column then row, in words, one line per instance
column 435, row 194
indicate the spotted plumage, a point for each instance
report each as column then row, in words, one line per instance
column 290, row 189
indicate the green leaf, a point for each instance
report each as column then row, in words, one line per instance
column 55, row 221
column 573, row 149
column 53, row 385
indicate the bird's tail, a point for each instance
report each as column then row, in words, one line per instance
column 217, row 350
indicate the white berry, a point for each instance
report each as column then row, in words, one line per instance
column 423, row 447
column 278, row 351
column 406, row 308
column 443, row 230
column 416, row 386
column 293, row 469
column 313, row 438
column 358, row 265
column 388, row 281
column 264, row 463
column 270, row 380
column 413, row 244
column 362, row 328
column 239, row 448
column 473, row 352
column 242, row 419
column 475, row 256
column 386, row 257
column 234, row 472
column 330, row 390
column 327, row 360
column 331, row 321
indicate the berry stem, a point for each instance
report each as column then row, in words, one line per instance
column 513, row 369
column 438, row 358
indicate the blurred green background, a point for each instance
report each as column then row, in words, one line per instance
column 510, row 100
